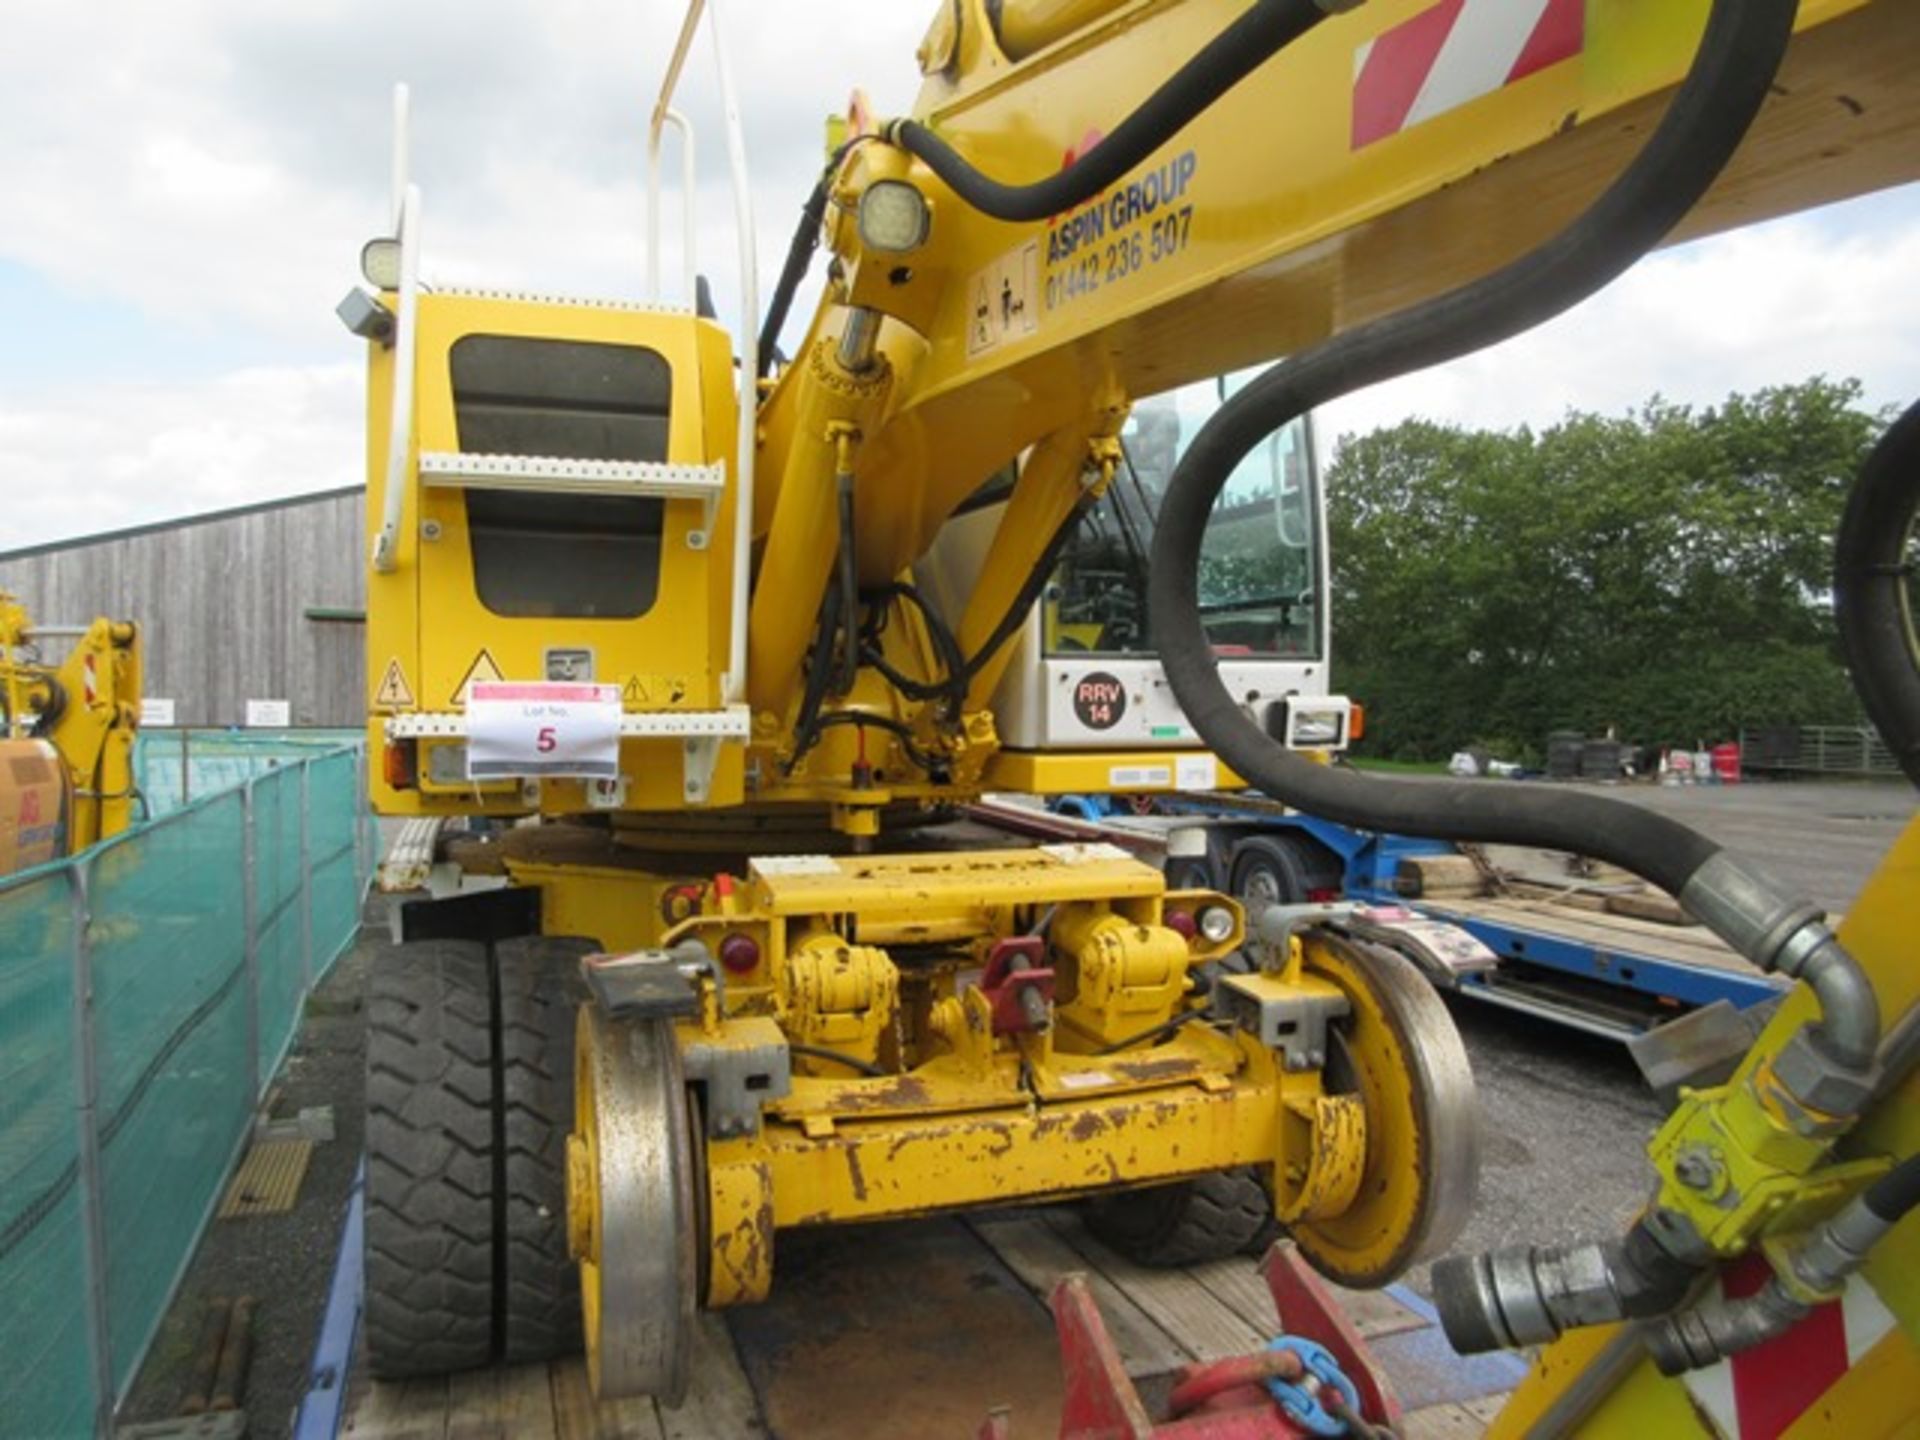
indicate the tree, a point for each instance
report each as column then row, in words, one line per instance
column 1664, row 573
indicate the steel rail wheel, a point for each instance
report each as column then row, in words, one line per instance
column 632, row 1215
column 1399, row 1051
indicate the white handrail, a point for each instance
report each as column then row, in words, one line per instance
column 685, row 127
column 671, row 80
column 736, row 677
column 400, row 414
column 401, row 106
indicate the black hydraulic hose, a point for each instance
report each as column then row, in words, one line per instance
column 952, row 662
column 838, row 1057
column 820, row 668
column 953, row 685
column 1895, row 1193
column 1736, row 61
column 1016, row 613
column 806, row 238
column 1157, row 1033
column 849, row 657
column 1262, row 31
column 1871, row 606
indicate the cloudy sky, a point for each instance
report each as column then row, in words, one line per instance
column 179, row 215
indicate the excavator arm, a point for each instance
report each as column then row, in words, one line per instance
column 81, row 713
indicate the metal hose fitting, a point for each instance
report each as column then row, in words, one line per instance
column 1742, row 905
column 1529, row 1295
column 1710, row 1332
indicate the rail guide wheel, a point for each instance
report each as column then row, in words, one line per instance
column 633, row 1207
column 1399, row 1051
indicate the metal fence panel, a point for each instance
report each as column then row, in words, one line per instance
column 172, row 1043
column 49, row 1387
column 177, row 767
column 276, row 907
column 148, row 989
column 333, row 814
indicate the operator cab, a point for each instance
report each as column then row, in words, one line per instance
column 1086, row 675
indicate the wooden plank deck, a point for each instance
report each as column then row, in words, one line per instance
column 1686, row 944
column 807, row 1389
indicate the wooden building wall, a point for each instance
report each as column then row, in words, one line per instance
column 227, row 604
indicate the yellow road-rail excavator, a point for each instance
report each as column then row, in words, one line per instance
column 716, row 640
column 66, row 734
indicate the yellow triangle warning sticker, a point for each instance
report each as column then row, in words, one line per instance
column 394, row 692
column 482, row 668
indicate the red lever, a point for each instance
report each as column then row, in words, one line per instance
column 1018, row 985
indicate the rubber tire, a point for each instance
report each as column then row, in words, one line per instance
column 1276, row 857
column 1191, row 872
column 540, row 996
column 429, row 1300
column 1211, row 1217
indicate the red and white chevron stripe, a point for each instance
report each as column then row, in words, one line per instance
column 1760, row 1392
column 1456, row 51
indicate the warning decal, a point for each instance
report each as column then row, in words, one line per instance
column 482, row 668
column 651, row 691
column 1002, row 299
column 394, row 692
column 1454, row 52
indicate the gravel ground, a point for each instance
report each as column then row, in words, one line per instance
column 1565, row 1115
column 1564, row 1122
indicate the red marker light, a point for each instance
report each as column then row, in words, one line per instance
column 740, row 954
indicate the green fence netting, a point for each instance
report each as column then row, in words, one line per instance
column 48, row 1385
column 177, row 767
column 135, row 1042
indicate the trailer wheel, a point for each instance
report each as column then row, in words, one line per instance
column 1269, row 870
column 1191, row 872
column 1210, row 1217
column 430, row 1159
column 540, row 996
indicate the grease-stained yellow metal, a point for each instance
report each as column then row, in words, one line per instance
column 1120, row 977
column 911, row 1163
column 740, row 1220
column 937, row 1139
column 1331, row 1149
column 962, row 1112
column 840, row 997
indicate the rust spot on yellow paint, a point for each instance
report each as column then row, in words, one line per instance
column 1088, row 1126
column 853, row 1173
column 1002, row 1134
column 1155, row 1069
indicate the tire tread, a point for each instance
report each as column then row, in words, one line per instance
column 430, row 1159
